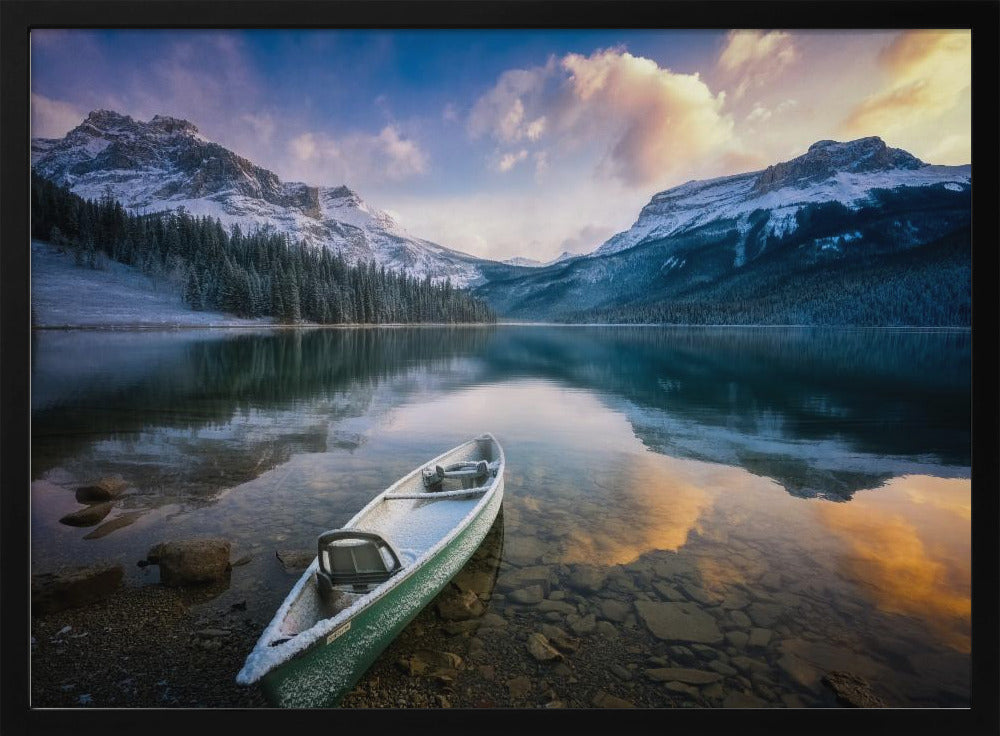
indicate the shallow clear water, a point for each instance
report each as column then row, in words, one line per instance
column 806, row 489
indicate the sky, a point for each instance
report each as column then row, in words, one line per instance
column 505, row 143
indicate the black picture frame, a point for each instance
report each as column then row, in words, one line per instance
column 20, row 16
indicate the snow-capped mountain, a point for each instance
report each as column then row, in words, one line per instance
column 848, row 173
column 855, row 215
column 532, row 263
column 166, row 163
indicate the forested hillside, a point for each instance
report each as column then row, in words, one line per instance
column 254, row 274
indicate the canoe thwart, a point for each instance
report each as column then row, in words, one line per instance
column 441, row 495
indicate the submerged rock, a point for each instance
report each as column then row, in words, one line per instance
column 191, row 561
column 432, row 663
column 852, row 691
column 560, row 639
column 519, row 687
column 682, row 674
column 459, row 606
column 587, row 579
column 528, row 596
column 87, row 516
column 105, row 489
column 540, row 648
column 57, row 591
column 294, row 560
column 679, row 622
column 606, row 700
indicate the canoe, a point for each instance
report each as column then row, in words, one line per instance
column 371, row 577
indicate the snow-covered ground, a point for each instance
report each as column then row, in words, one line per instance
column 66, row 295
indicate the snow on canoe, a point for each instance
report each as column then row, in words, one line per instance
column 372, row 576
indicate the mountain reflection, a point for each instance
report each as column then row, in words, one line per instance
column 824, row 412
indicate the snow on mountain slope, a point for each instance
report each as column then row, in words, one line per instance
column 848, row 173
column 532, row 263
column 166, row 163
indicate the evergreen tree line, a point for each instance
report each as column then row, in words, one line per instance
column 256, row 274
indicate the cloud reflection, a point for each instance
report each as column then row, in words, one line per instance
column 909, row 547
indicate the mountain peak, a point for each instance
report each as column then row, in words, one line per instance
column 826, row 158
column 170, row 125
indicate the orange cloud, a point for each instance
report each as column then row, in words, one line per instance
column 929, row 73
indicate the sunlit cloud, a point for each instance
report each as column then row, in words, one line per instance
column 358, row 158
column 641, row 122
column 928, row 74
column 753, row 58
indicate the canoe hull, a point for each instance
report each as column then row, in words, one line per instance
column 322, row 676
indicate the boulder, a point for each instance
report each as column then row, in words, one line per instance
column 57, row 591
column 191, row 561
column 105, row 489
column 679, row 622
column 852, row 691
column 88, row 515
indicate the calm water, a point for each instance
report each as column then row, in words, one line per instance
column 806, row 490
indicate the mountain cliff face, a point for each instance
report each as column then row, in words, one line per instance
column 737, row 248
column 166, row 163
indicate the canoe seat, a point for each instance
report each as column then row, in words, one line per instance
column 465, row 471
column 356, row 558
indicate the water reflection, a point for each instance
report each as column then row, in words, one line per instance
column 808, row 488
column 909, row 547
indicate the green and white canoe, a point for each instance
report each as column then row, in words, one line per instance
column 372, row 576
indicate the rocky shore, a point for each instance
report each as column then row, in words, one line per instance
column 511, row 630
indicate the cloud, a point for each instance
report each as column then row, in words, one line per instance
column 745, row 48
column 53, row 118
column 263, row 126
column 929, row 73
column 751, row 58
column 509, row 160
column 586, row 239
column 639, row 122
column 356, row 157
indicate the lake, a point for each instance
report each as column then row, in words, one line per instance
column 800, row 496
